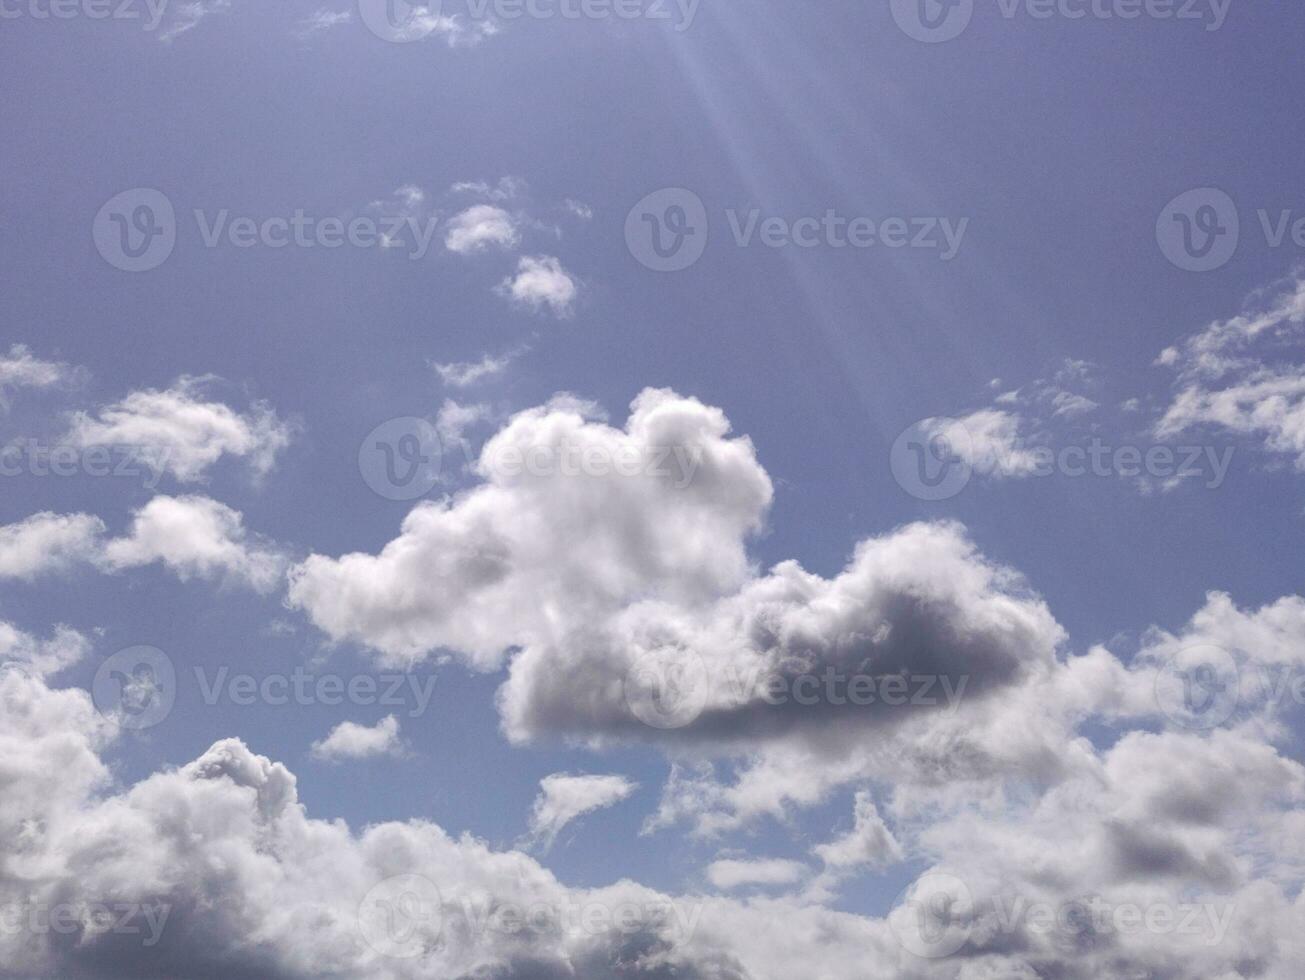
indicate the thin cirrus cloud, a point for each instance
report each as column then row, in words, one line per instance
column 465, row 374
column 1245, row 375
column 20, row 368
column 498, row 223
column 564, row 798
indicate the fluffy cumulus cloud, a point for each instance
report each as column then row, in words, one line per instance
column 196, row 537
column 541, row 283
column 48, row 543
column 1173, row 855
column 64, row 648
column 1246, row 375
column 349, row 740
column 182, row 431
column 193, row 536
column 564, row 798
column 1073, row 815
column 574, row 518
column 480, row 227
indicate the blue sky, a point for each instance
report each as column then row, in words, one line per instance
column 1050, row 146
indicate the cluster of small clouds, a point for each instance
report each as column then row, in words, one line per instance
column 193, row 536
column 181, row 432
column 1246, row 375
column 571, row 584
column 498, row 222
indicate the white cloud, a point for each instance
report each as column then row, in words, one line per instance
column 869, row 844
column 660, row 508
column 188, row 15
column 465, row 374
column 323, row 20
column 200, row 538
column 989, row 440
column 539, row 282
column 728, row 875
column 44, row 658
column 46, row 542
column 178, row 432
column 241, row 881
column 1245, row 375
column 480, row 227
column 21, row 369
column 507, row 188
column 564, row 798
column 349, row 740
